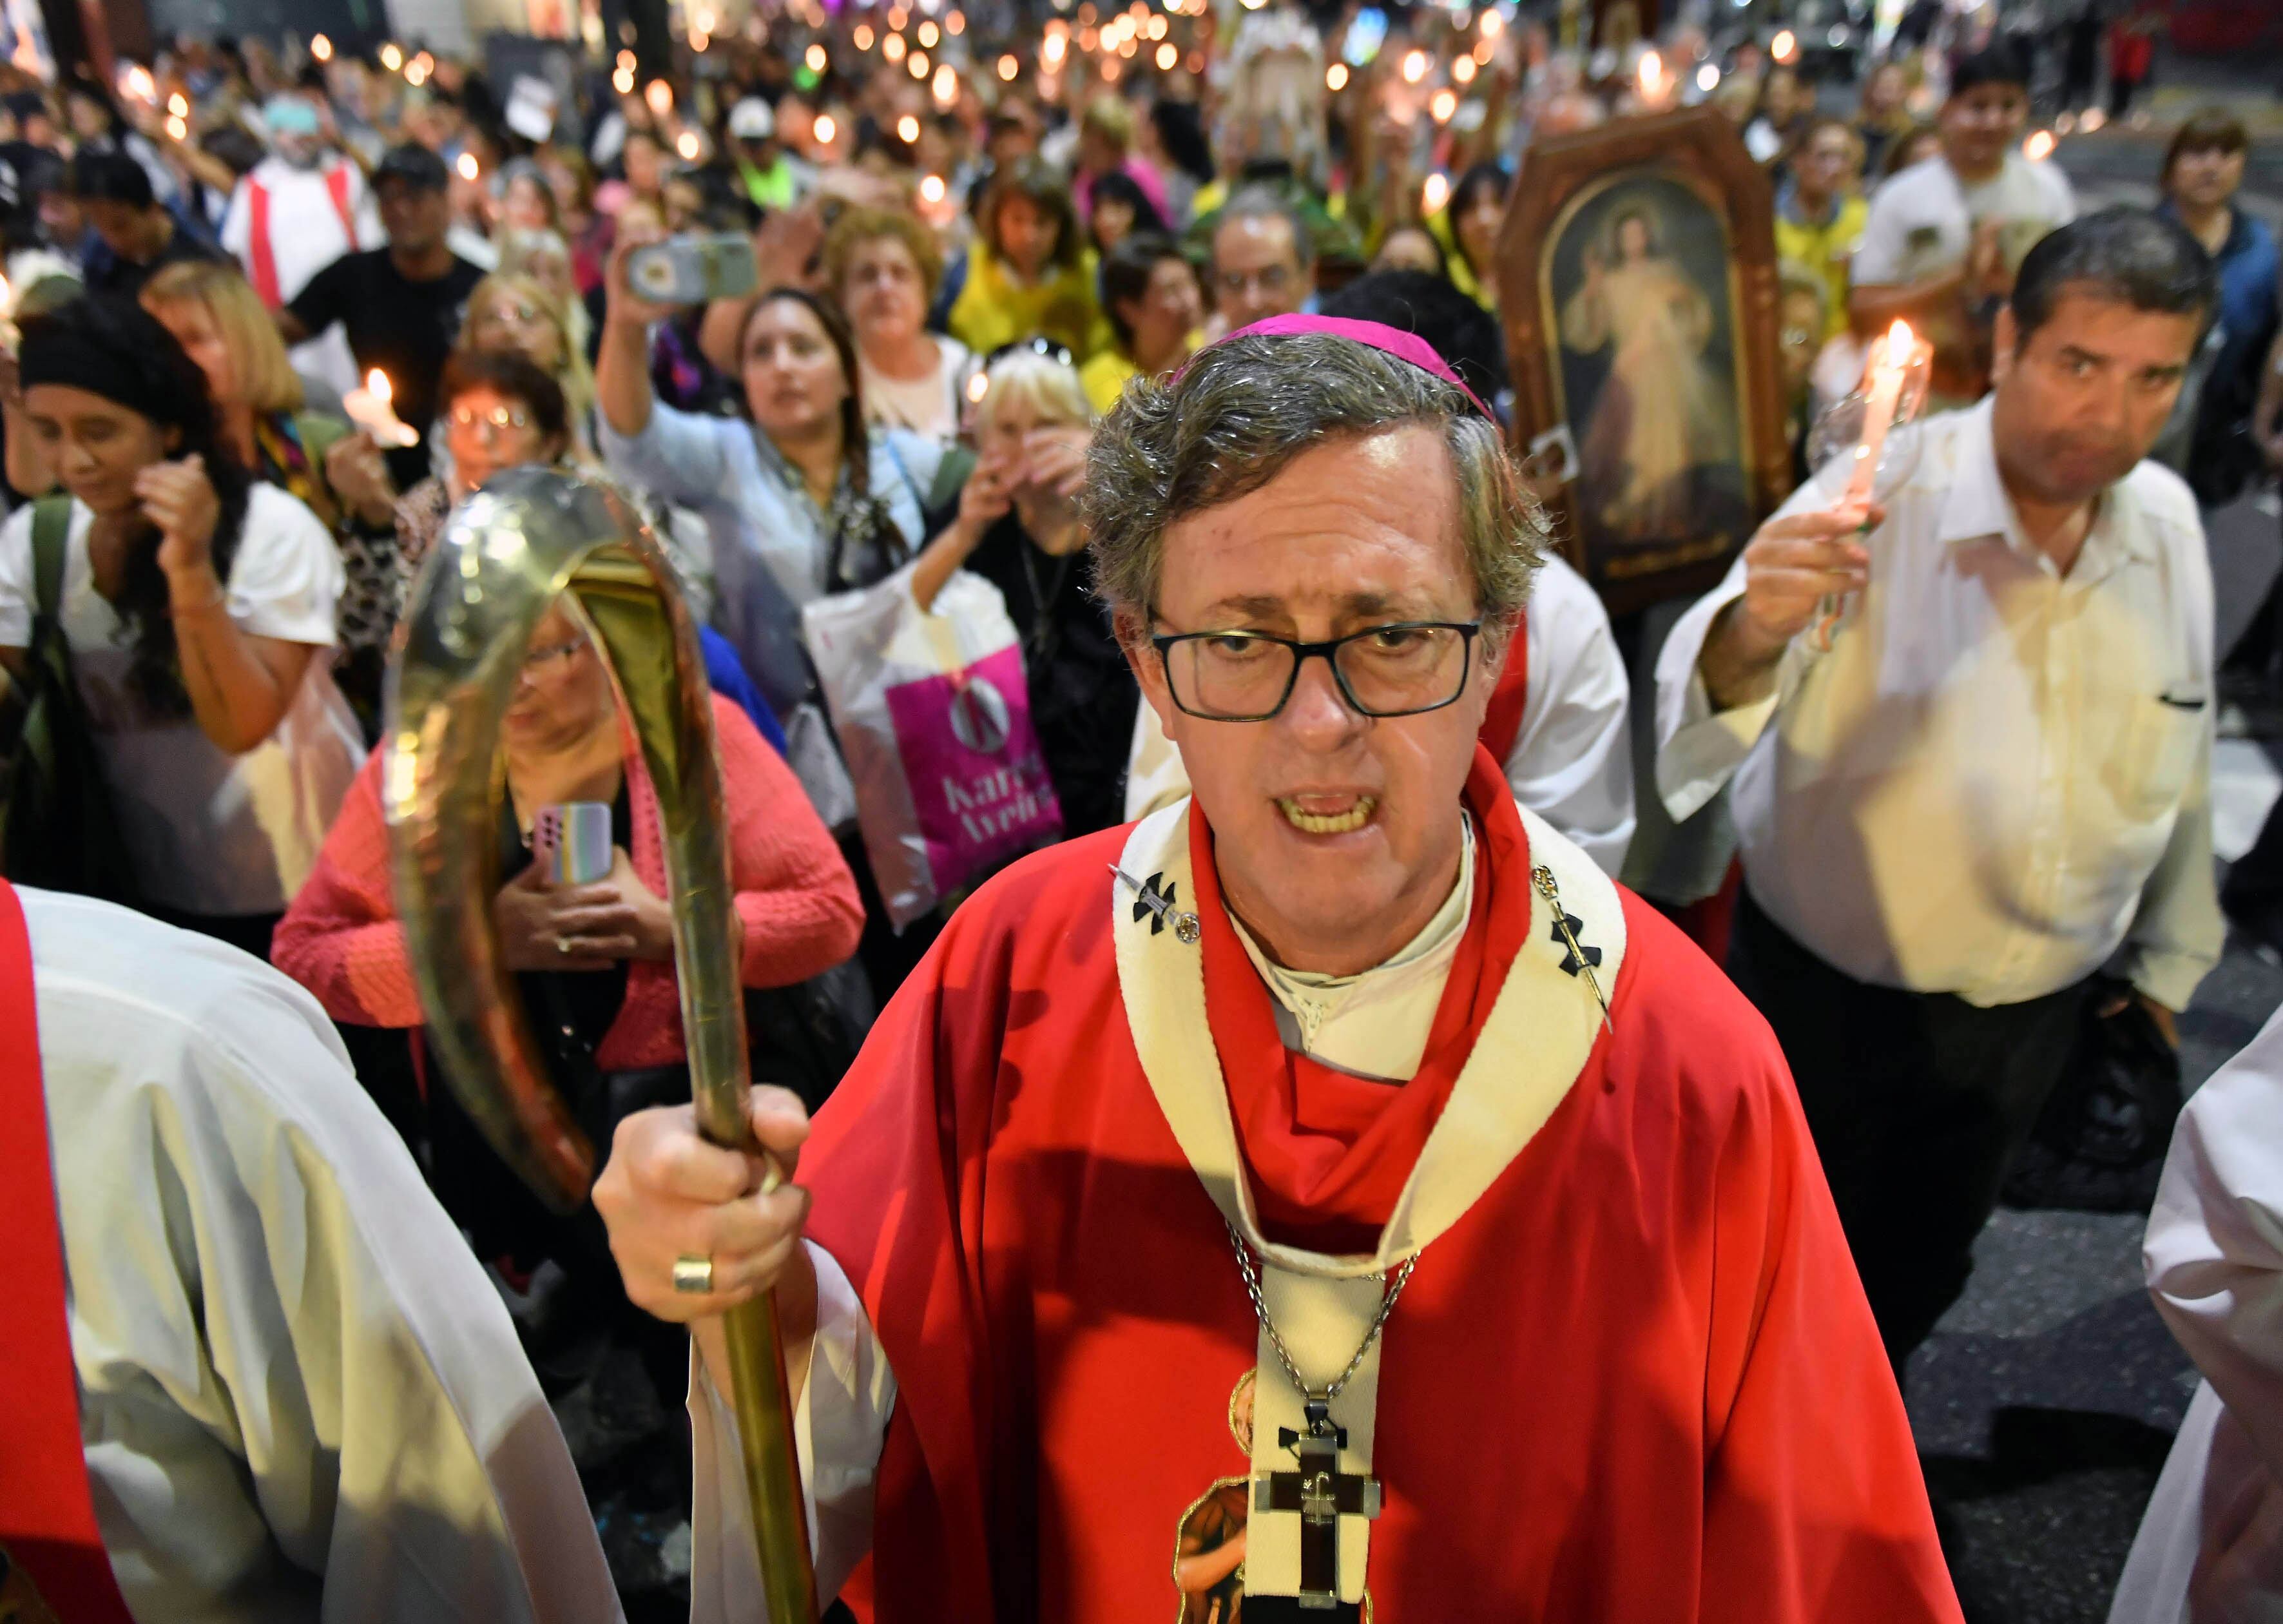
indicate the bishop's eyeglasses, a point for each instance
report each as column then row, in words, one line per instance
column 1395, row 670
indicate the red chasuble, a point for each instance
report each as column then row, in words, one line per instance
column 1632, row 1379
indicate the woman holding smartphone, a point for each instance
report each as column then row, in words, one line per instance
column 801, row 501
column 199, row 611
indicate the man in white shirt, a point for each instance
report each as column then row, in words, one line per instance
column 295, row 213
column 1944, row 237
column 297, row 1395
column 1970, row 751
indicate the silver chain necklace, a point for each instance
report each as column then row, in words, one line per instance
column 1250, row 1268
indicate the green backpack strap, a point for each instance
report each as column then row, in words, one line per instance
column 50, row 543
column 319, row 432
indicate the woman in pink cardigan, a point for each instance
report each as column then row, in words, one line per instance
column 594, row 962
column 611, row 943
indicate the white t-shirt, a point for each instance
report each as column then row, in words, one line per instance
column 929, row 405
column 210, row 832
column 1922, row 221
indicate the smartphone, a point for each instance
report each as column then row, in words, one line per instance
column 1365, row 34
column 571, row 841
column 687, row 271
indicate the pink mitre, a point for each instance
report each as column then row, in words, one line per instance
column 1375, row 335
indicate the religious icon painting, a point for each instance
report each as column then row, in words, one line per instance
column 1209, row 1545
column 1638, row 289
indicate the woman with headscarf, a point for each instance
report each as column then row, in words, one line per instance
column 197, row 605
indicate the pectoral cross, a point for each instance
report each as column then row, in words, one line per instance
column 1322, row 1493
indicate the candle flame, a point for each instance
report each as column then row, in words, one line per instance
column 376, row 385
column 1900, row 341
column 468, row 166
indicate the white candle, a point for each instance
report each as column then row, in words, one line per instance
column 372, row 409
column 1888, row 370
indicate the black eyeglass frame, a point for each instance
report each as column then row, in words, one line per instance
column 1302, row 652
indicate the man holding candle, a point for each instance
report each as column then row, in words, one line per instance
column 400, row 306
column 1991, row 774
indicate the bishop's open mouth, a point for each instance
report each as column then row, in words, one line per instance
column 1321, row 819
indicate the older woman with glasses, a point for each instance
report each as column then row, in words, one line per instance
column 594, row 964
column 883, row 269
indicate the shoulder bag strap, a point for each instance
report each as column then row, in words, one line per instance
column 50, row 549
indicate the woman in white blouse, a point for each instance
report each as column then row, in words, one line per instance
column 884, row 271
column 198, row 609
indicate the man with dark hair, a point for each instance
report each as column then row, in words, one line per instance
column 400, row 306
column 135, row 235
column 1969, row 737
column 1943, row 238
column 1264, row 260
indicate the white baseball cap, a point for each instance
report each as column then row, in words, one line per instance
column 751, row 119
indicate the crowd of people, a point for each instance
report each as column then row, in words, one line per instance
column 1016, row 319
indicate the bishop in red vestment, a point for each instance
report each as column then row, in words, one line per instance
column 1330, row 1197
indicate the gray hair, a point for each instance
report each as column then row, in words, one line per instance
column 1266, row 203
column 1243, row 408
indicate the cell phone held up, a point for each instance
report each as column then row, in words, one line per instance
column 570, row 842
column 688, row 270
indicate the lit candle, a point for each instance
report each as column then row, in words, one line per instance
column 1652, row 79
column 373, row 410
column 1888, row 368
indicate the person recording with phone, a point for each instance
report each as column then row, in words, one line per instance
column 800, row 502
column 1994, row 776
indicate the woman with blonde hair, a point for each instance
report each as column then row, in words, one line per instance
column 1018, row 529
column 514, row 313
column 883, row 269
column 262, row 415
column 545, row 257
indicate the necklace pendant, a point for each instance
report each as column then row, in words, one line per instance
column 1320, row 1494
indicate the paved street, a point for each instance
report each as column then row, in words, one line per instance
column 2045, row 1403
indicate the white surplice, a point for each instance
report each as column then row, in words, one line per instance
column 301, row 1397
column 2210, row 1548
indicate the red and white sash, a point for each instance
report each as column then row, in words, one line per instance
column 261, row 257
